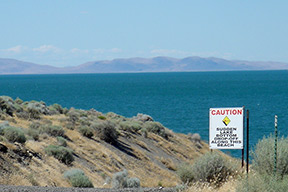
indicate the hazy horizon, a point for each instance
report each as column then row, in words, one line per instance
column 27, row 61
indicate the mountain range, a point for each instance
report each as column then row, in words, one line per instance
column 129, row 65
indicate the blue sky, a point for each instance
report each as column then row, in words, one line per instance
column 67, row 33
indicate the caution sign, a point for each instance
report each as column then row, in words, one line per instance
column 226, row 128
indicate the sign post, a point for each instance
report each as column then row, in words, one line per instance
column 243, row 140
column 247, row 142
column 275, row 146
column 226, row 128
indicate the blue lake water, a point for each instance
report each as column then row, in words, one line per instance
column 180, row 101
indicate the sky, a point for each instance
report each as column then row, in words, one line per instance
column 69, row 32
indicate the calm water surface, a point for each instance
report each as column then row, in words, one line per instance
column 180, row 101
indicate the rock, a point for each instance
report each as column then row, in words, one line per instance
column 143, row 117
column 196, row 138
column 3, row 148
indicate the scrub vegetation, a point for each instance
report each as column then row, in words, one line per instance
column 49, row 145
column 209, row 168
column 264, row 176
column 121, row 180
column 77, row 178
column 63, row 154
column 207, row 173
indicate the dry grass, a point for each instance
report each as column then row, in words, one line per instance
column 14, row 179
column 141, row 144
column 168, row 163
column 229, row 186
column 153, row 160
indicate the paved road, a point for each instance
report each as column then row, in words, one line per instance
column 6, row 188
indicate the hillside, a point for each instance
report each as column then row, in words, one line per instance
column 161, row 64
column 156, row 64
column 98, row 144
column 13, row 66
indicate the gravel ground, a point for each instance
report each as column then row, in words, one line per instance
column 6, row 188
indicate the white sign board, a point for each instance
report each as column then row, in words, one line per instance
column 226, row 128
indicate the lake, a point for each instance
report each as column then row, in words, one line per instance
column 180, row 100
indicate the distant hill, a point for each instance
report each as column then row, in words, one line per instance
column 156, row 64
column 12, row 66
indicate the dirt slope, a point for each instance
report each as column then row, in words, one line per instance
column 142, row 146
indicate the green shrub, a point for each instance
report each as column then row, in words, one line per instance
column 65, row 110
column 70, row 173
column 185, row 172
column 102, row 117
column 2, row 138
column 52, row 111
column 33, row 114
column 84, row 121
column 263, row 156
column 70, row 125
column 63, row 154
column 35, row 109
column 2, row 115
column 14, row 134
column 18, row 108
column 96, row 125
column 3, row 125
column 73, row 115
column 262, row 182
column 23, row 115
column 34, row 133
column 106, row 131
column 35, row 125
column 181, row 187
column 57, row 108
column 131, row 126
column 25, row 103
column 52, row 130
column 77, row 178
column 7, row 105
column 61, row 141
column 46, row 122
column 18, row 101
column 86, row 131
column 133, row 182
column 121, row 180
column 213, row 168
column 82, row 113
column 112, row 115
column 156, row 127
column 144, row 132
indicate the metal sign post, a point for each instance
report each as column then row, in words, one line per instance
column 243, row 140
column 275, row 146
column 247, row 142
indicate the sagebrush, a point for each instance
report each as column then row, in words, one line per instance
column 14, row 134
column 77, row 178
column 121, row 180
column 210, row 167
column 263, row 156
column 63, row 154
